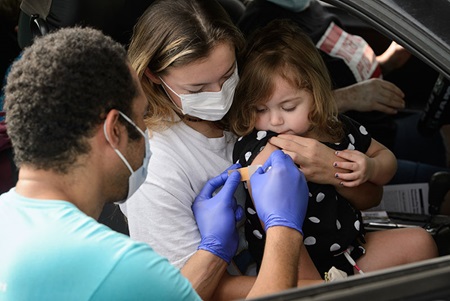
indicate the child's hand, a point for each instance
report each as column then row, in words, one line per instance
column 360, row 167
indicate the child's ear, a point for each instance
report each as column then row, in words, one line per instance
column 151, row 76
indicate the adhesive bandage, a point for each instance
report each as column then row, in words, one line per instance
column 246, row 172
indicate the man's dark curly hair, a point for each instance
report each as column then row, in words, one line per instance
column 59, row 92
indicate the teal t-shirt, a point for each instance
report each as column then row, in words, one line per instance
column 50, row 250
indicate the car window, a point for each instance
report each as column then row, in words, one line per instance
column 430, row 16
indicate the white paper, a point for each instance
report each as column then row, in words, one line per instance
column 405, row 198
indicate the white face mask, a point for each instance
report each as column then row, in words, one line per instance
column 293, row 5
column 210, row 106
column 137, row 177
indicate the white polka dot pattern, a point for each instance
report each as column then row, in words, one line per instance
column 248, row 155
column 251, row 211
column 331, row 222
column 309, row 241
column 363, row 130
column 314, row 220
column 261, row 135
column 320, row 196
column 357, row 225
column 257, row 234
column 335, row 247
column 351, row 138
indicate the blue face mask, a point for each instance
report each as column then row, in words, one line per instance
column 292, row 5
column 137, row 177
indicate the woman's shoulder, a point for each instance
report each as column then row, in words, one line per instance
column 170, row 138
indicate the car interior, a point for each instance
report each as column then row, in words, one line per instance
column 416, row 78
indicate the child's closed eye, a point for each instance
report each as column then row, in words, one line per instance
column 261, row 109
column 289, row 109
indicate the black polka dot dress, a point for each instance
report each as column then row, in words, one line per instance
column 332, row 225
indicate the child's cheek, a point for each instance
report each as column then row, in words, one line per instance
column 261, row 124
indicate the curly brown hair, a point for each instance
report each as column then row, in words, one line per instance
column 282, row 48
column 60, row 91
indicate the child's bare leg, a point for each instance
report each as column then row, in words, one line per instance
column 390, row 248
column 307, row 272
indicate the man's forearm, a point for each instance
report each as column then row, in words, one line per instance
column 233, row 287
column 279, row 268
column 208, row 276
column 344, row 99
column 204, row 270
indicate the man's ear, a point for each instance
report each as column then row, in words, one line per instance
column 151, row 76
column 113, row 128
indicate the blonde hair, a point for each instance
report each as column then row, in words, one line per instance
column 173, row 34
column 281, row 48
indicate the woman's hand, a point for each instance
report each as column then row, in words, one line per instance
column 314, row 158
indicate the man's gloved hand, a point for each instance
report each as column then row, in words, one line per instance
column 280, row 193
column 217, row 215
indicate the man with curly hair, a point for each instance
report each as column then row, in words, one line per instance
column 75, row 111
column 72, row 106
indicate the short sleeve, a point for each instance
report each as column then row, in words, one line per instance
column 248, row 147
column 356, row 136
column 142, row 274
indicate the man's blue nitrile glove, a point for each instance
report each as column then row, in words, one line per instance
column 281, row 193
column 217, row 215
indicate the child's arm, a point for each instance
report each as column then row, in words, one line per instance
column 307, row 273
column 259, row 160
column 378, row 165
